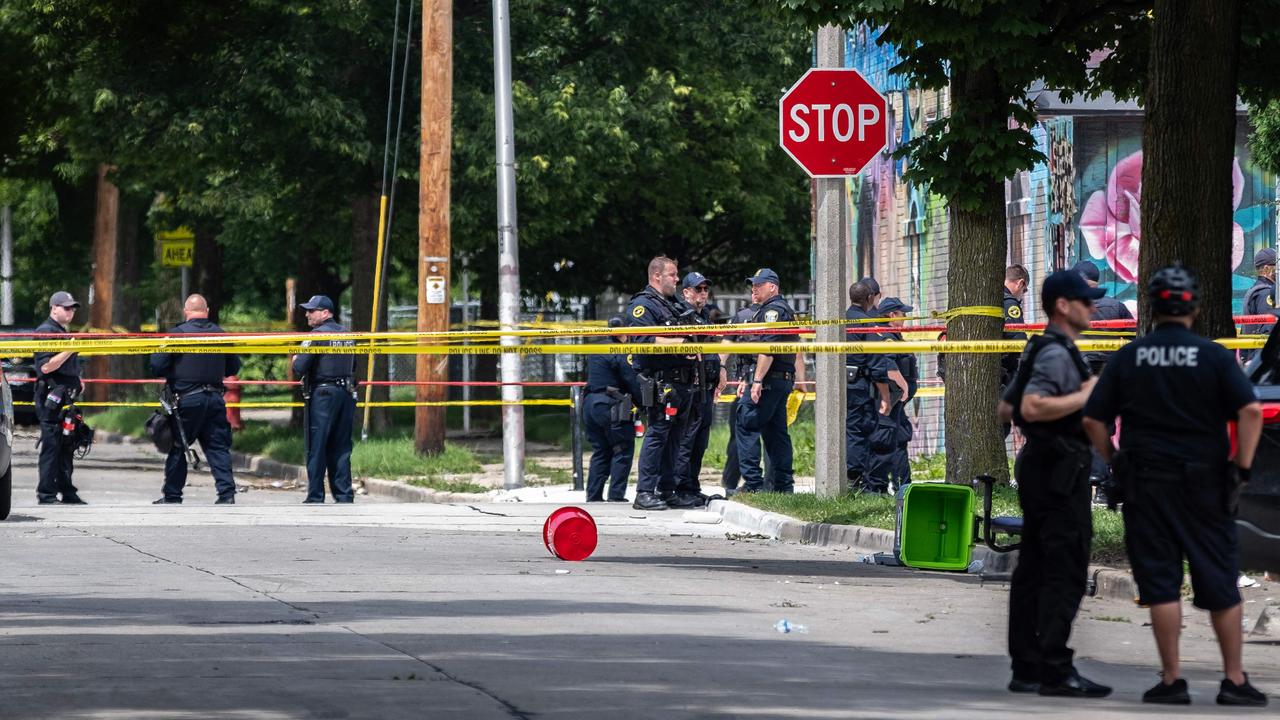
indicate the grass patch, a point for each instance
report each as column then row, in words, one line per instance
column 802, row 449
column 878, row 511
column 125, row 420
column 544, row 475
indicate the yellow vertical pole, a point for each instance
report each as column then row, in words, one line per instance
column 373, row 322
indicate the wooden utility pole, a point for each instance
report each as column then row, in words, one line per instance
column 106, row 231
column 433, row 214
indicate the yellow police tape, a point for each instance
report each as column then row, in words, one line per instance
column 413, row 344
column 564, row 402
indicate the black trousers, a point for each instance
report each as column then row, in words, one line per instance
column 331, row 412
column 702, row 407
column 204, row 420
column 1053, row 560
column 661, row 445
column 56, row 459
column 613, row 446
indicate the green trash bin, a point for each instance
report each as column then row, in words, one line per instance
column 936, row 527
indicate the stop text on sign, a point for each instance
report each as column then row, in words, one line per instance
column 841, row 130
column 832, row 122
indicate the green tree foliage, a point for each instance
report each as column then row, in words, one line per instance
column 641, row 128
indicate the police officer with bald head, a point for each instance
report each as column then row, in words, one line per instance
column 195, row 382
column 328, row 382
column 1174, row 393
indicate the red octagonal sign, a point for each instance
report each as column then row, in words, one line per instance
column 832, row 122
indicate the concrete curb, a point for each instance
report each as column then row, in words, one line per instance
column 1109, row 582
column 265, row 466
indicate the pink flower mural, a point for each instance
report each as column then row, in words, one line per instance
column 1112, row 219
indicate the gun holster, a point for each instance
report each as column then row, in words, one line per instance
column 1121, row 477
column 648, row 391
column 620, row 411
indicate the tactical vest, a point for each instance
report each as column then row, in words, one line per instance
column 1069, row 427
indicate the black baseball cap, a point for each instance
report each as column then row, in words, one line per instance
column 1088, row 270
column 891, row 304
column 871, row 284
column 1067, row 284
column 318, row 302
column 764, row 275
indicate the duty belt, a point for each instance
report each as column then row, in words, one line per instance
column 202, row 389
column 344, row 383
column 682, row 375
column 780, row 375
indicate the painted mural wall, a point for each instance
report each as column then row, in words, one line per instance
column 1081, row 203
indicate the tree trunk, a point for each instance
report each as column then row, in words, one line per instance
column 1188, row 146
column 364, row 255
column 207, row 273
column 126, row 304
column 974, row 442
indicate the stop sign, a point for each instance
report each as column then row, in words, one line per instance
column 832, row 122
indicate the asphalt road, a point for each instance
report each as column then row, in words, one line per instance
column 272, row 609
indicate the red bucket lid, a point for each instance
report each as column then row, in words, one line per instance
column 570, row 533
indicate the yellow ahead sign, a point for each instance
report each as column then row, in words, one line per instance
column 177, row 247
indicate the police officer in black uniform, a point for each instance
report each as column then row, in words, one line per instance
column 1261, row 298
column 737, row 367
column 894, row 464
column 1016, row 280
column 762, row 413
column 1045, row 399
column 196, row 382
column 611, row 394
column 1174, row 392
column 328, row 381
column 1106, row 308
column 867, row 393
column 695, row 290
column 667, row 383
column 57, row 375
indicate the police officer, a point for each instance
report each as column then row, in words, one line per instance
column 874, row 286
column 1261, row 298
column 762, row 413
column 1174, row 392
column 894, row 464
column 867, row 381
column 738, row 367
column 1045, row 400
column 57, row 385
column 1106, row 308
column 711, row 380
column 610, row 396
column 666, row 384
column 329, row 384
column 196, row 383
column 1016, row 280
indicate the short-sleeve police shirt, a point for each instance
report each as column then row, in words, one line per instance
column 1053, row 374
column 648, row 309
column 776, row 309
column 1174, row 392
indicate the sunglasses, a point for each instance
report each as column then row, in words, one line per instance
column 701, row 288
